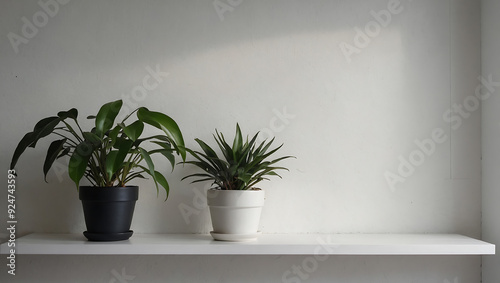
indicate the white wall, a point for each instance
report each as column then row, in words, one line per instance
column 350, row 121
column 490, row 138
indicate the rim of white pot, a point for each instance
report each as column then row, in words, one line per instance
column 239, row 198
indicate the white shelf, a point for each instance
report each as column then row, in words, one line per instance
column 267, row 244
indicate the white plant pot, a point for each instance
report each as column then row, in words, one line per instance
column 235, row 214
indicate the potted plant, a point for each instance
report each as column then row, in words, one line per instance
column 109, row 156
column 234, row 201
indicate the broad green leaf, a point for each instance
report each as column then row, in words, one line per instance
column 72, row 113
column 21, row 147
column 110, row 163
column 78, row 162
column 44, row 128
column 170, row 157
column 92, row 138
column 64, row 152
column 158, row 178
column 123, row 149
column 149, row 162
column 44, row 122
column 112, row 136
column 165, row 145
column 167, row 153
column 166, row 124
column 120, row 140
column 134, row 130
column 163, row 182
column 105, row 118
column 54, row 149
column 164, row 138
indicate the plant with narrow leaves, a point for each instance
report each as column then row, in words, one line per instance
column 242, row 166
column 108, row 155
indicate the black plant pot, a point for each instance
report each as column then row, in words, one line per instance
column 108, row 212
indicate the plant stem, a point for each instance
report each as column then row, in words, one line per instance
column 130, row 115
column 70, row 129
column 67, row 139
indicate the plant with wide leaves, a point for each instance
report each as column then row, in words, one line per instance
column 109, row 154
column 243, row 164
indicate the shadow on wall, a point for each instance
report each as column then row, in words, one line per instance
column 243, row 50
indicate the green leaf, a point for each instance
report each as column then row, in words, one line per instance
column 226, row 149
column 206, row 148
column 110, row 163
column 119, row 140
column 78, row 162
column 52, row 153
column 44, row 123
column 157, row 176
column 92, row 138
column 209, row 155
column 21, row 147
column 133, row 176
column 246, row 152
column 198, row 175
column 164, row 138
column 165, row 145
column 170, row 157
column 115, row 161
column 72, row 113
column 205, row 166
column 204, row 180
column 281, row 158
column 134, row 130
column 238, row 142
column 214, row 163
column 167, row 152
column 112, row 136
column 149, row 162
column 105, row 118
column 163, row 182
column 64, row 152
column 244, row 165
column 44, row 128
column 165, row 123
